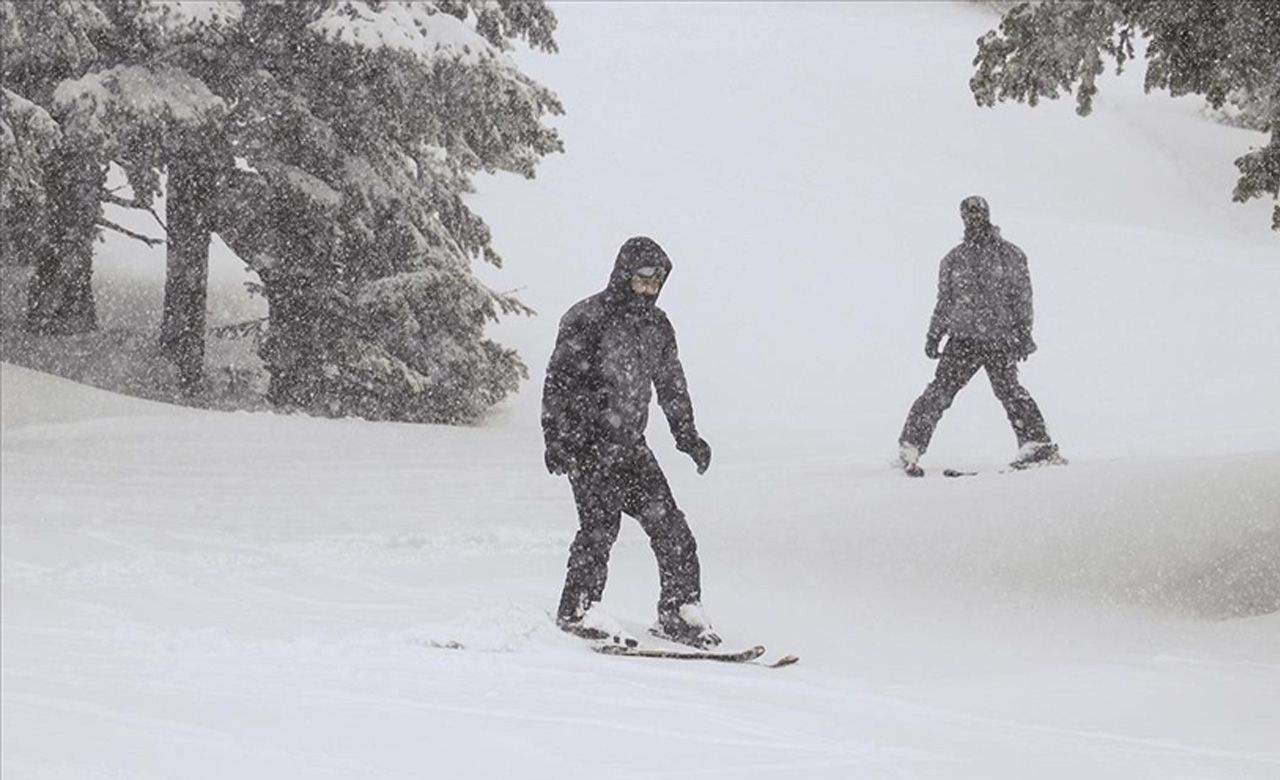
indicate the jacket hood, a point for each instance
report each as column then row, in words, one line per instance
column 976, row 215
column 982, row 234
column 637, row 252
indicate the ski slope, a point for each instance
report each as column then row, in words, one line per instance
column 203, row 594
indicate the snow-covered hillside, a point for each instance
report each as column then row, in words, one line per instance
column 203, row 594
column 215, row 595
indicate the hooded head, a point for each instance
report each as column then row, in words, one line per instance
column 639, row 272
column 976, row 215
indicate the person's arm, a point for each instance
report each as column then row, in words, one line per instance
column 673, row 398
column 563, row 373
column 1020, row 293
column 1024, row 314
column 941, row 310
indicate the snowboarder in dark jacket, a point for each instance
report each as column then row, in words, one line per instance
column 984, row 311
column 613, row 349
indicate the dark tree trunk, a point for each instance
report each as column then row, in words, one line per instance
column 186, row 284
column 288, row 246
column 60, row 296
column 295, row 349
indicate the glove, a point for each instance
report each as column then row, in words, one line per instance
column 698, row 449
column 557, row 458
column 931, row 344
column 1023, row 344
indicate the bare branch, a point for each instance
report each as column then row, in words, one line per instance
column 116, row 200
column 159, row 221
column 108, row 196
column 148, row 240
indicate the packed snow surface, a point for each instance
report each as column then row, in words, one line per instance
column 201, row 594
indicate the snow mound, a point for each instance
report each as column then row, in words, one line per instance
column 29, row 397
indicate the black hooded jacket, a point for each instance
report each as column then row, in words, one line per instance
column 611, row 350
column 984, row 293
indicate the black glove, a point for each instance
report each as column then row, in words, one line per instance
column 931, row 344
column 698, row 449
column 1023, row 344
column 557, row 458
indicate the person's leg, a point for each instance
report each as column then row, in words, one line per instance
column 955, row 368
column 647, row 497
column 1023, row 413
column 599, row 503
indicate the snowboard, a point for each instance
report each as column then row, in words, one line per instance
column 1056, row 460
column 751, row 655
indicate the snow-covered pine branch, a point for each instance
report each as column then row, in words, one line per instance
column 419, row 29
column 27, row 135
column 1223, row 52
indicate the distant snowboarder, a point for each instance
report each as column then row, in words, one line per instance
column 984, row 310
column 612, row 348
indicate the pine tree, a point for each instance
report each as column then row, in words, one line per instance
column 49, row 207
column 114, row 77
column 1223, row 51
column 154, row 113
column 358, row 127
column 361, row 127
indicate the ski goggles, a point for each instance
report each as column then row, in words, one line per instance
column 650, row 273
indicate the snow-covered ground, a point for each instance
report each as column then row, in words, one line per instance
column 204, row 594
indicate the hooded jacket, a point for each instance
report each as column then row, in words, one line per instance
column 612, row 350
column 984, row 294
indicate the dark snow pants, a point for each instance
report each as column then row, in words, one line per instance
column 632, row 483
column 956, row 367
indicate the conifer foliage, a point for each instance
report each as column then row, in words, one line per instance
column 331, row 144
column 49, row 177
column 362, row 127
column 1227, row 52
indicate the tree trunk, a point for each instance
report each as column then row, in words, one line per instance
column 186, row 285
column 60, row 296
column 296, row 344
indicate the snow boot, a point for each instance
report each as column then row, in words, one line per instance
column 908, row 455
column 1037, row 453
column 687, row 625
column 596, row 625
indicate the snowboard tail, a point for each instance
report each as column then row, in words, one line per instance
column 594, row 634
